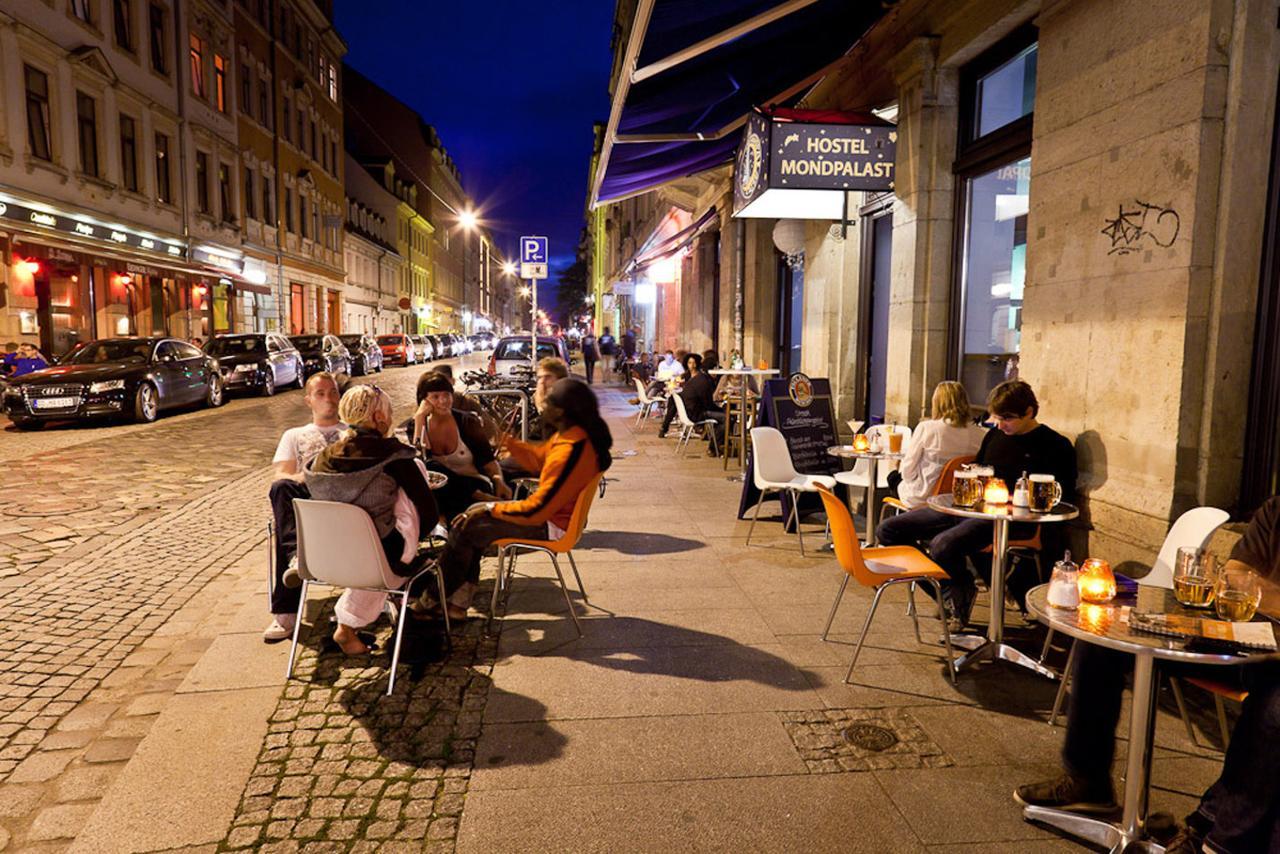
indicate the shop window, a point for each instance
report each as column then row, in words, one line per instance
column 122, row 16
column 790, row 331
column 128, row 154
column 297, row 309
column 38, row 113
column 197, row 67
column 155, row 21
column 224, row 193
column 87, row 132
column 220, row 83
column 249, row 194
column 993, row 181
column 164, row 192
column 202, row 182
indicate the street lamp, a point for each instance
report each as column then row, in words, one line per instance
column 467, row 219
column 509, row 268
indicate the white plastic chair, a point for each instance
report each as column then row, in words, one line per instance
column 688, row 426
column 1192, row 529
column 773, row 471
column 338, row 546
column 860, row 475
column 646, row 403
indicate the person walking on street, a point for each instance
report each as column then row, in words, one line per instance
column 608, row 347
column 590, row 354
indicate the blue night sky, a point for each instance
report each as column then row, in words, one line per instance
column 512, row 87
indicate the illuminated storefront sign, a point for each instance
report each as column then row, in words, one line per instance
column 114, row 235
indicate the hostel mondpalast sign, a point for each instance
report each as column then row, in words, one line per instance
column 780, row 152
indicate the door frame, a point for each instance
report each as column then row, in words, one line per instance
column 878, row 207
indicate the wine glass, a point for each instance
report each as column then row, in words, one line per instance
column 1194, row 575
column 1237, row 595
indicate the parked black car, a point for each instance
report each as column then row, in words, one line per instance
column 442, row 345
column 322, row 353
column 262, row 362
column 134, row 377
column 366, row 355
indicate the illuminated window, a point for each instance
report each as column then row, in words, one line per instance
column 220, row 83
column 197, row 66
column 38, row 113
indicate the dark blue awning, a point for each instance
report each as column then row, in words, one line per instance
column 700, row 66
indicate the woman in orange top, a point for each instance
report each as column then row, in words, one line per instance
column 567, row 462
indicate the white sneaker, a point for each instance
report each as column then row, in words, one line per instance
column 281, row 628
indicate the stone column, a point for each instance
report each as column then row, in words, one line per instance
column 923, row 223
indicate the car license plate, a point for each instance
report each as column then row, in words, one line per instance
column 54, row 403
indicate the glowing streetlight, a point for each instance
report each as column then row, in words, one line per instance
column 509, row 268
column 524, row 292
column 467, row 219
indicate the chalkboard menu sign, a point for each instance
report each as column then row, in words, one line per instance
column 809, row 430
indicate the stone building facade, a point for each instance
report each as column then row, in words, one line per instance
column 1081, row 201
column 375, row 270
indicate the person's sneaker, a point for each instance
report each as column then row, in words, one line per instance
column 662, row 434
column 1186, row 841
column 281, row 628
column 1069, row 792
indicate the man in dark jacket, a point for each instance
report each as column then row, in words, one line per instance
column 698, row 394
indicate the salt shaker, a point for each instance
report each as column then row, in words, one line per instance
column 1063, row 590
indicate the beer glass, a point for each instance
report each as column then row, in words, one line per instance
column 966, row 489
column 1195, row 574
column 1237, row 595
column 1043, row 492
column 895, row 442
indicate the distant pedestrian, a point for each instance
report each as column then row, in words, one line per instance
column 629, row 344
column 590, row 354
column 608, row 346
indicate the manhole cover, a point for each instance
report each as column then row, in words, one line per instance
column 49, row 507
column 869, row 736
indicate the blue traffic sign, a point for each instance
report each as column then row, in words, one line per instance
column 533, row 250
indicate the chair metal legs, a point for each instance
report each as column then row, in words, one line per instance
column 942, row 618
column 831, row 618
column 565, row 590
column 577, row 575
column 795, row 514
column 508, row 553
column 297, row 629
column 755, row 515
column 871, row 612
column 866, row 624
column 395, row 652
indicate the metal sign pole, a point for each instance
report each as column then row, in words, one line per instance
column 533, row 350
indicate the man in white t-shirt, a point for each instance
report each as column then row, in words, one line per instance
column 298, row 446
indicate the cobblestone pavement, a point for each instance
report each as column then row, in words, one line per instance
column 115, row 530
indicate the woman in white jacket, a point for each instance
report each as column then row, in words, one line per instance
column 950, row 433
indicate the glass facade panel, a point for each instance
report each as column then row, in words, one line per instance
column 993, row 275
column 1006, row 94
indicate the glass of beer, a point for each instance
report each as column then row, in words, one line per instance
column 1195, row 573
column 966, row 489
column 895, row 441
column 1043, row 492
column 1237, row 595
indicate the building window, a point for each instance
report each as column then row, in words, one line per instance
column 264, row 104
column 302, row 128
column 313, row 154
column 993, row 172
column 246, row 90
column 197, row 66
column 331, row 79
column 315, row 221
column 249, row 195
column 163, row 192
column 202, row 182
column 38, row 113
column 87, row 132
column 224, row 193
column 288, row 209
column 287, row 124
column 302, row 216
column 220, row 83
column 128, row 154
column 155, row 15
column 83, row 9
column 266, row 203
column 123, row 17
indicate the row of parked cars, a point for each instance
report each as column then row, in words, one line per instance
column 400, row 349
column 140, row 377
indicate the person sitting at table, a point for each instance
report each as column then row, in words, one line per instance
column 455, row 444
column 1017, row 443
column 695, row 400
column 1240, row 812
column 566, row 463
column 369, row 468
column 950, row 432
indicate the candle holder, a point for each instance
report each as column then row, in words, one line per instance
column 995, row 492
column 1097, row 583
column 861, row 443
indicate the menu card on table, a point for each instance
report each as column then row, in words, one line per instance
column 1258, row 635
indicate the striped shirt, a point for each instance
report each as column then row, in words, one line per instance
column 566, row 464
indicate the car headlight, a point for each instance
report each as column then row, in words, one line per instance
column 245, row 369
column 106, row 385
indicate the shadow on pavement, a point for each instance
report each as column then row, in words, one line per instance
column 632, row 543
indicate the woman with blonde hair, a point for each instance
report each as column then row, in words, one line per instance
column 371, row 469
column 950, row 432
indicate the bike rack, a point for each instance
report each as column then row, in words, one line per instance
column 508, row 392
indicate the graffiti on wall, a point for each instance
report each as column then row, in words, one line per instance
column 1141, row 225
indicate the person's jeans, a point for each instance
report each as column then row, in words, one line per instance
column 284, row 600
column 467, row 543
column 590, row 365
column 1240, row 812
column 951, row 542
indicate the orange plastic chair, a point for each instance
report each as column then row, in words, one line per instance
column 510, row 547
column 878, row 568
column 1219, row 690
column 941, row 487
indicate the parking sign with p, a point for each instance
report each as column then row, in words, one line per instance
column 533, row 257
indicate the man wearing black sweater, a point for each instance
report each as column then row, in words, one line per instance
column 1018, row 443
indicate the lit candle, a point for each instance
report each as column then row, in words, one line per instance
column 1097, row 583
column 995, row 492
column 861, row 443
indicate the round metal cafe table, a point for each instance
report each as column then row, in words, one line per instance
column 1107, row 626
column 1001, row 516
column 849, row 452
